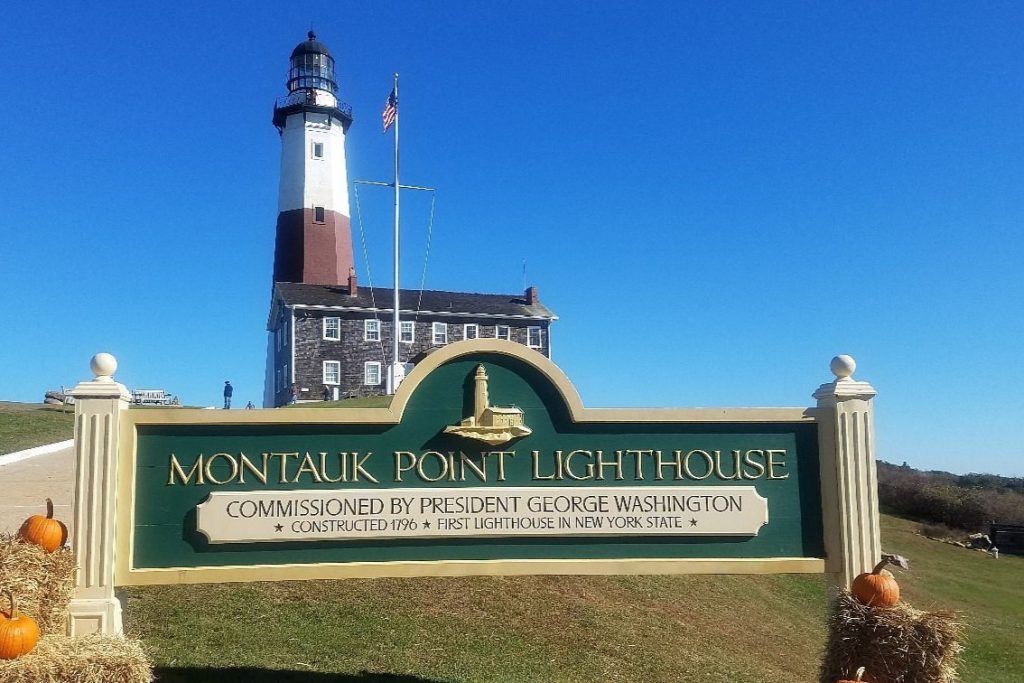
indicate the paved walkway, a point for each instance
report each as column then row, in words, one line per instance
column 25, row 486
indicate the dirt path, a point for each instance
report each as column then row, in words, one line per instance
column 25, row 486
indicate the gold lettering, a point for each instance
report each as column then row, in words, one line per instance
column 753, row 463
column 442, row 464
column 616, row 463
column 709, row 461
column 501, row 462
column 284, row 464
column 659, row 464
column 309, row 467
column 247, row 464
column 323, row 468
column 398, row 463
column 479, row 470
column 772, row 464
column 197, row 471
column 638, row 470
column 736, row 474
column 588, row 468
column 357, row 467
column 536, row 467
column 233, row 468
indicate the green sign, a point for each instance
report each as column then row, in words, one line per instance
column 485, row 463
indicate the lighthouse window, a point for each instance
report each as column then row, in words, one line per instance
column 318, row 214
column 371, row 330
column 440, row 331
column 318, row 150
column 471, row 331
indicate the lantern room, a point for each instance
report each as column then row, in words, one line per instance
column 312, row 66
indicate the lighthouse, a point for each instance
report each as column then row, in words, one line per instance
column 314, row 239
column 329, row 337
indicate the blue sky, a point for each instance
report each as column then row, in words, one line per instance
column 716, row 198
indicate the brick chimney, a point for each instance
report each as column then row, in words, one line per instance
column 353, row 285
column 531, row 296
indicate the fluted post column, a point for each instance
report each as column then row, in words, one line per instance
column 849, row 474
column 98, row 405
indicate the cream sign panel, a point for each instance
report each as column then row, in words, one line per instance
column 259, row 516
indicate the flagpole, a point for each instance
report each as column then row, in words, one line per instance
column 396, row 329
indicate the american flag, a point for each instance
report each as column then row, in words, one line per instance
column 390, row 111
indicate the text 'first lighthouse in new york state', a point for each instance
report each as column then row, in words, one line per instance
column 328, row 337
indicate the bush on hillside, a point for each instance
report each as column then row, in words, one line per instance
column 942, row 498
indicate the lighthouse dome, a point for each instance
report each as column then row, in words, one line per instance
column 311, row 66
column 311, row 46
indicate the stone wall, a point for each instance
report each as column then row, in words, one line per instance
column 353, row 350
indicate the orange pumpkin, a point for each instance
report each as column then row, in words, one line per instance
column 877, row 589
column 859, row 679
column 18, row 633
column 45, row 532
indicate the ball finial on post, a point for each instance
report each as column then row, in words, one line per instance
column 842, row 366
column 103, row 367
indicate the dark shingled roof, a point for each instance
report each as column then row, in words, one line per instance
column 295, row 293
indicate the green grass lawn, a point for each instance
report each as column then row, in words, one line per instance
column 360, row 402
column 693, row 628
column 24, row 425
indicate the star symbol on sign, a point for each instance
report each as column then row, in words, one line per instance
column 278, row 527
column 426, row 525
column 693, row 522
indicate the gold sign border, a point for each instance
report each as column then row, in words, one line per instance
column 127, row 575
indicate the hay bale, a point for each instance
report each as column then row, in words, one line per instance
column 89, row 659
column 895, row 645
column 42, row 582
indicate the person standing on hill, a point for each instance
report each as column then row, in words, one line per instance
column 228, row 390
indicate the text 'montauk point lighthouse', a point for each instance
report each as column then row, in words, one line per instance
column 314, row 240
column 330, row 338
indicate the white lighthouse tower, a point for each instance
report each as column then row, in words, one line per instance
column 313, row 243
column 314, row 237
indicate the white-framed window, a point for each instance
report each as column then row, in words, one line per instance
column 470, row 331
column 502, row 332
column 371, row 330
column 440, row 333
column 408, row 335
column 319, row 215
column 332, row 328
column 371, row 372
column 318, row 150
column 533, row 337
column 332, row 372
